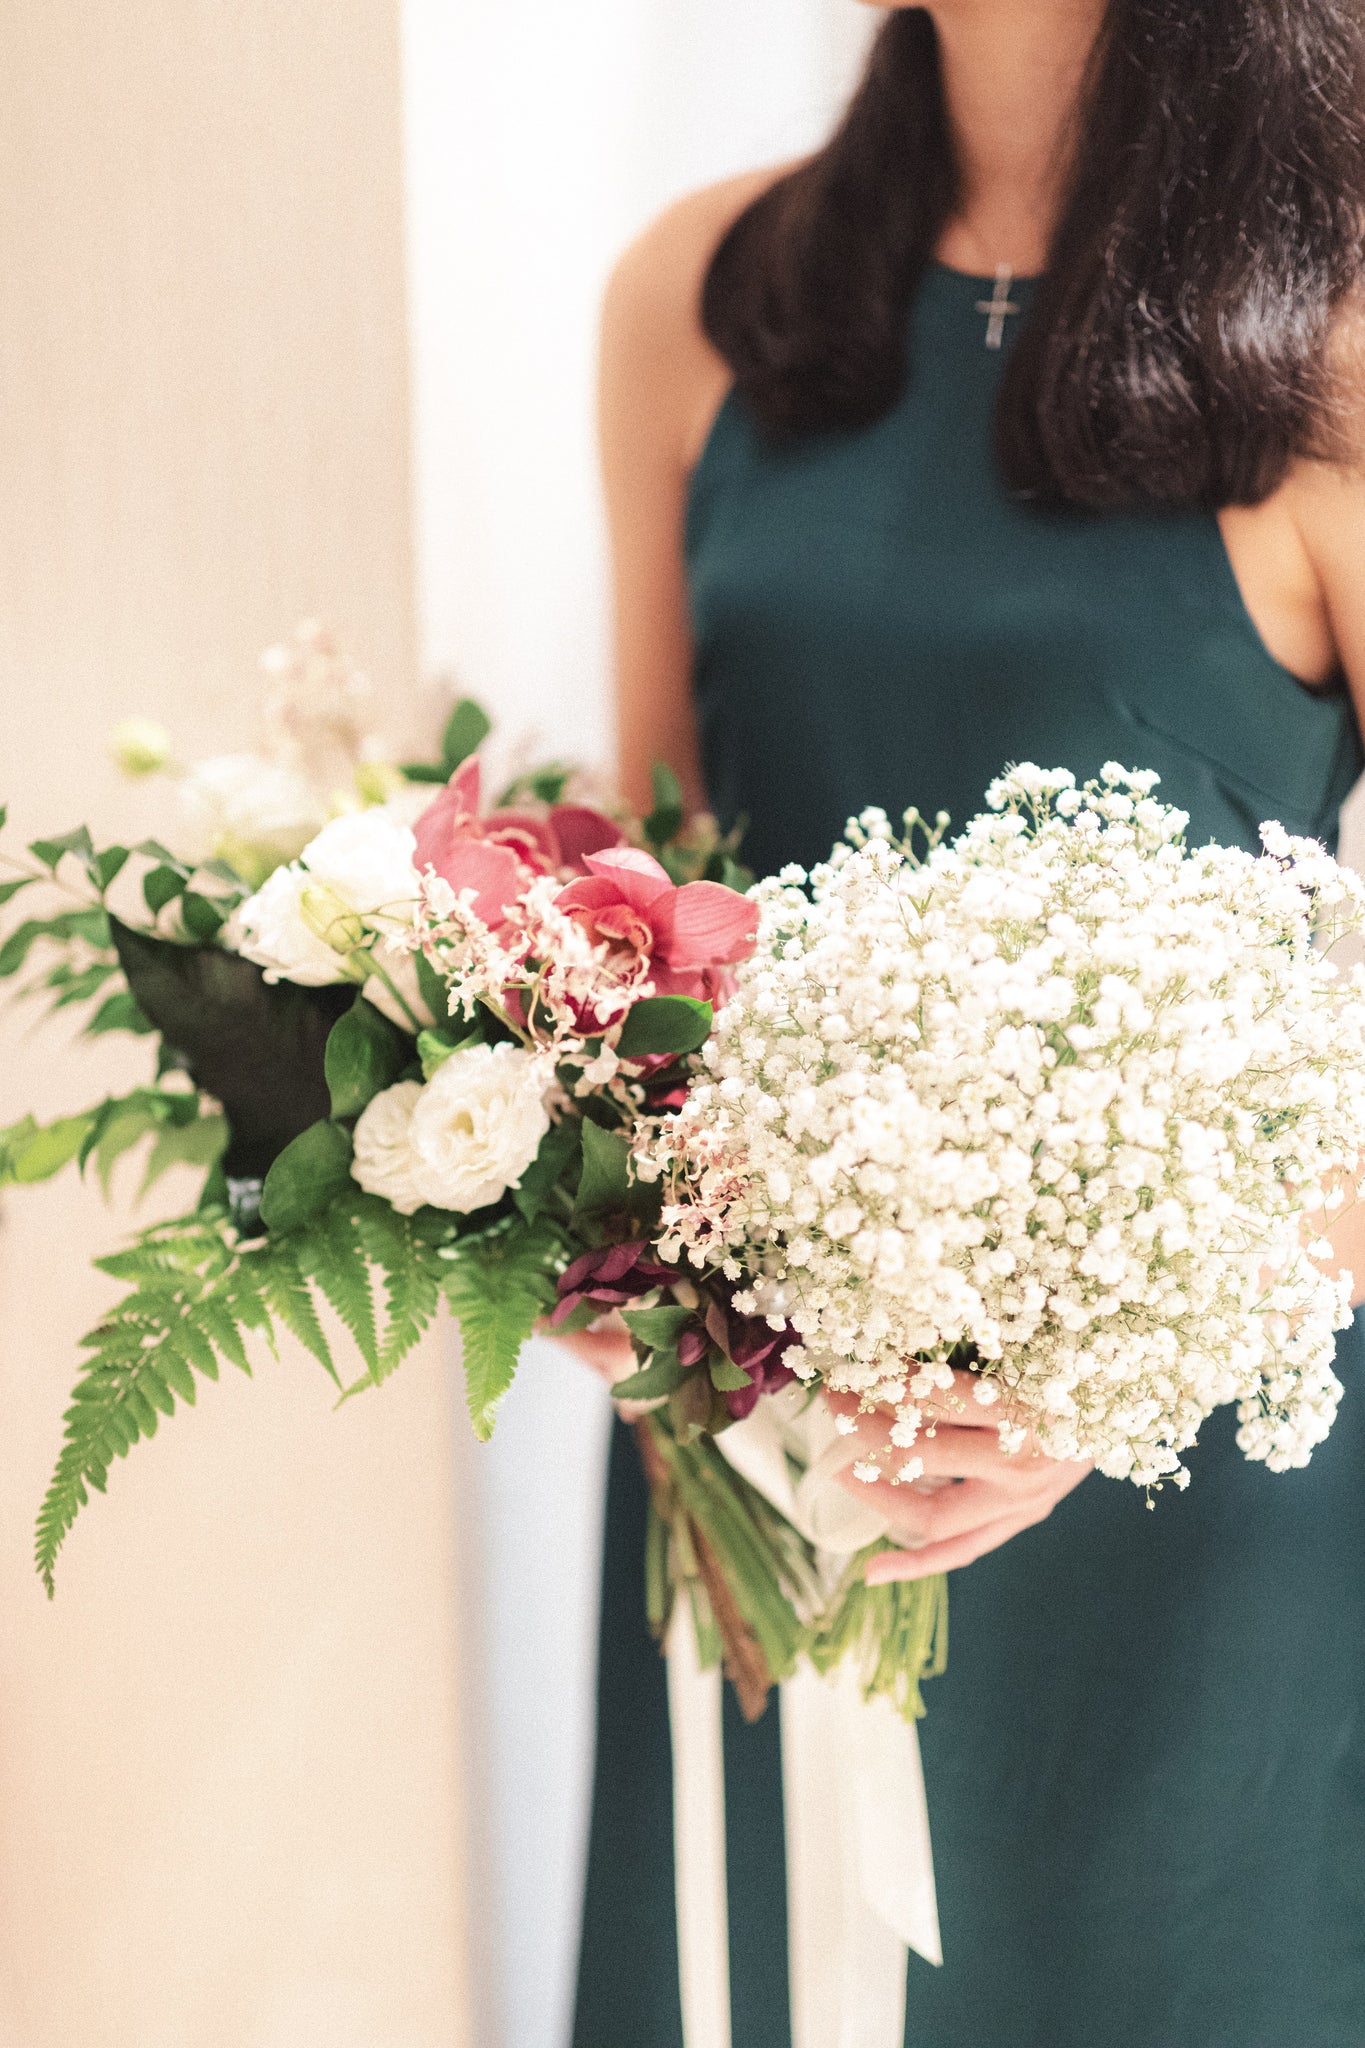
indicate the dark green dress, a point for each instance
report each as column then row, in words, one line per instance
column 1146, row 1764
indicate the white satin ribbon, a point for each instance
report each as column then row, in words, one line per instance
column 860, row 1867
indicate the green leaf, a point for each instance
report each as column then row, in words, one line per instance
column 201, row 1143
column 78, row 985
column 332, row 1254
column 727, row 1377
column 499, row 1288
column 365, row 1055
column 46, row 1151
column 258, row 1049
column 308, row 1174
column 466, row 730
column 410, row 1270
column 434, row 1048
column 119, row 1012
column 431, row 988
column 91, row 925
column 203, row 917
column 161, row 886
column 107, row 865
column 666, row 820
column 422, row 771
column 665, row 1024
column 604, row 1187
column 50, row 851
column 558, row 1150
column 661, row 1377
column 658, row 1329
column 9, row 890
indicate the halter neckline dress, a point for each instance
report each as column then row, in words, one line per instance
column 1146, row 1762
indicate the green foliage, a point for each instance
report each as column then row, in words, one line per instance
column 365, row 1054
column 666, row 820
column 183, row 1135
column 604, row 1188
column 661, row 1377
column 665, row 1024
column 197, row 1294
column 309, row 1174
column 559, row 1149
column 466, row 730
column 499, row 1287
column 90, row 926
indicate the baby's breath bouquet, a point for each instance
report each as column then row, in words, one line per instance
column 1065, row 1102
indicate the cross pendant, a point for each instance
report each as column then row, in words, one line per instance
column 998, row 307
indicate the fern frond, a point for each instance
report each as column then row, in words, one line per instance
column 411, row 1271
column 331, row 1253
column 499, row 1288
column 143, row 1356
column 284, row 1289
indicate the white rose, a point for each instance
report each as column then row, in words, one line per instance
column 384, row 1162
column 478, row 1126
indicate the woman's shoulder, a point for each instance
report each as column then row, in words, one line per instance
column 653, row 342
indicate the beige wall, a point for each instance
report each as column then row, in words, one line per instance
column 228, row 1794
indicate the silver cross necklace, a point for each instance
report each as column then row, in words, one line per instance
column 999, row 307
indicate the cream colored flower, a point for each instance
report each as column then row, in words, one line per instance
column 384, row 1162
column 478, row 1126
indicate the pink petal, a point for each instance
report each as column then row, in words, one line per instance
column 638, row 876
column 710, row 925
column 492, row 872
column 466, row 785
column 537, row 831
column 679, row 981
column 581, row 831
column 594, row 892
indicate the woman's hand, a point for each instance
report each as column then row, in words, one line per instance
column 972, row 1496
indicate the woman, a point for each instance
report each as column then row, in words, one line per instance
column 1018, row 424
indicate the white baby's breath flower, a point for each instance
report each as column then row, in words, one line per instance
column 1061, row 1091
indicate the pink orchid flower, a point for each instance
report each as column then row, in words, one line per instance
column 493, row 854
column 680, row 939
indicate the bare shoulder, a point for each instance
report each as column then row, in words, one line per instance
column 655, row 355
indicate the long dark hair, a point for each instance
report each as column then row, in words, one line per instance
column 1178, row 349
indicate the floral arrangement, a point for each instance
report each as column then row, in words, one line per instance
column 1062, row 1103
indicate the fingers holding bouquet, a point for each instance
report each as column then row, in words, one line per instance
column 969, row 1494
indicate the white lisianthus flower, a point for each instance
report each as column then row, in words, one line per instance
column 284, row 928
column 318, row 920
column 250, row 811
column 478, row 1126
column 461, row 1141
column 384, row 1162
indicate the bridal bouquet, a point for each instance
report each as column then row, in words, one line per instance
column 1060, row 1106
column 1064, row 1103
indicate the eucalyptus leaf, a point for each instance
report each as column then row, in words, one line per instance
column 51, row 851
column 161, row 886
column 9, row 890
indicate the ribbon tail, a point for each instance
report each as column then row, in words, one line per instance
column 847, row 1965
column 895, row 1852
column 694, row 1707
